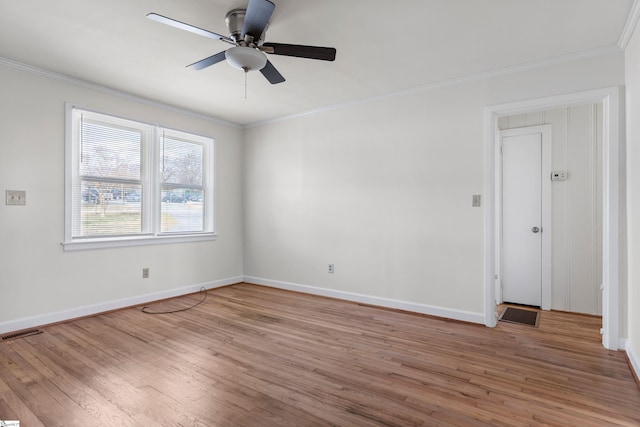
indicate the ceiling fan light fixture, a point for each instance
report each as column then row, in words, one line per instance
column 246, row 58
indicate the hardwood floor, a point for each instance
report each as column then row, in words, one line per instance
column 255, row 356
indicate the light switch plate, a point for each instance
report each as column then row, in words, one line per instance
column 476, row 201
column 16, row 197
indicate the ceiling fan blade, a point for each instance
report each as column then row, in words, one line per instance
column 206, row 62
column 256, row 18
column 271, row 74
column 300, row 51
column 188, row 27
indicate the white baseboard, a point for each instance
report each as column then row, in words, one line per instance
column 74, row 313
column 464, row 316
column 633, row 358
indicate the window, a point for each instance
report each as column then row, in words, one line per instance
column 130, row 183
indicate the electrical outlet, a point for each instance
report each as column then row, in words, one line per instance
column 145, row 273
column 330, row 269
column 559, row 176
column 16, row 197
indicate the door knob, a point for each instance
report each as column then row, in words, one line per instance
column 535, row 229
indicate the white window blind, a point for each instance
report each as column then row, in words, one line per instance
column 129, row 180
column 108, row 186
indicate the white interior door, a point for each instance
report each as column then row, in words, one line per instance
column 522, row 218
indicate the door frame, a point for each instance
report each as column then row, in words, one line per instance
column 611, row 170
column 545, row 176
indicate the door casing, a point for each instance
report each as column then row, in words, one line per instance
column 611, row 173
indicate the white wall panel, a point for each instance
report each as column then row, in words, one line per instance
column 632, row 55
column 383, row 189
column 38, row 277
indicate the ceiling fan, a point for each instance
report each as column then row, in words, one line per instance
column 247, row 31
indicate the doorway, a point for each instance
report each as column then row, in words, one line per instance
column 610, row 199
column 523, row 251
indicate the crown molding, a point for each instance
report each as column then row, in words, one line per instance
column 630, row 25
column 577, row 56
column 110, row 91
column 586, row 54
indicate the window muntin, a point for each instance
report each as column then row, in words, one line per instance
column 131, row 181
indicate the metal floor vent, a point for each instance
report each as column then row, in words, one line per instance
column 21, row 334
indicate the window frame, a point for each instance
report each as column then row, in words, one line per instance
column 150, row 177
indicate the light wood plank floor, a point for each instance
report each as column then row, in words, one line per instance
column 255, row 356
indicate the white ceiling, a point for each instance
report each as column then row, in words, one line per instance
column 383, row 46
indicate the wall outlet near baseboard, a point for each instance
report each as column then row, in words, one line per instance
column 145, row 273
column 330, row 269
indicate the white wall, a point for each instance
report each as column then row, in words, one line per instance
column 38, row 280
column 576, row 206
column 383, row 190
column 632, row 56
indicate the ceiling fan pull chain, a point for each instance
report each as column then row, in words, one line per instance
column 245, row 83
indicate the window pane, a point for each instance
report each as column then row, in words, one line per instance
column 134, row 180
column 181, row 162
column 109, row 152
column 181, row 210
column 110, row 209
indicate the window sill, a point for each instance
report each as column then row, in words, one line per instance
column 120, row 242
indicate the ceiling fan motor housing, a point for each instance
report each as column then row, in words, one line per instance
column 235, row 21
